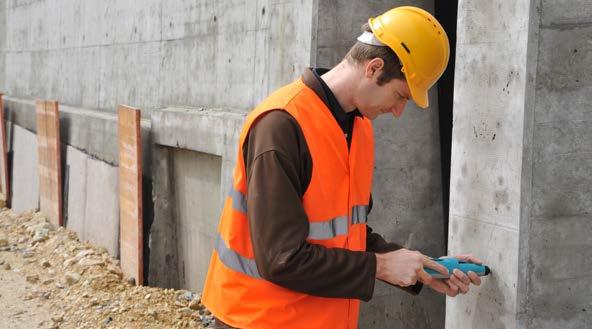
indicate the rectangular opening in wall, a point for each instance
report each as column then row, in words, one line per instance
column 196, row 184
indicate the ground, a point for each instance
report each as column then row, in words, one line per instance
column 49, row 279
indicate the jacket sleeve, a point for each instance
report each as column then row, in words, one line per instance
column 278, row 223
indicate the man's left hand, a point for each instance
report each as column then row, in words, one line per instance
column 458, row 282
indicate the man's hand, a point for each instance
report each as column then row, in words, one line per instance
column 404, row 267
column 458, row 281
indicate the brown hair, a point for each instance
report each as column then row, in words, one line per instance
column 361, row 52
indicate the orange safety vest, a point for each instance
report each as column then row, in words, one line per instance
column 336, row 203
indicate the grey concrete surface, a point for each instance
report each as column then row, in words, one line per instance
column 194, row 155
column 196, row 178
column 93, row 200
column 155, row 53
column 521, row 164
column 487, row 152
column 407, row 189
column 24, row 176
column 557, row 281
column 162, row 237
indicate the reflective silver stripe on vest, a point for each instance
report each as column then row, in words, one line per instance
column 233, row 260
column 239, row 201
column 328, row 229
column 359, row 214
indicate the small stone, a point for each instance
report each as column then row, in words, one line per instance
column 115, row 270
column 147, row 296
column 84, row 253
column 72, row 278
column 194, row 305
column 70, row 261
column 151, row 313
column 94, row 302
column 179, row 304
column 47, row 281
column 1, row 261
column 131, row 281
column 29, row 296
column 46, row 295
column 3, row 242
column 57, row 318
column 32, row 278
column 185, row 311
column 41, row 234
column 7, row 266
column 45, row 263
column 28, row 253
column 87, row 262
column 107, row 320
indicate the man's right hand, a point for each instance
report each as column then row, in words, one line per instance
column 404, row 267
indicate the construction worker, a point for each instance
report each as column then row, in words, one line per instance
column 293, row 249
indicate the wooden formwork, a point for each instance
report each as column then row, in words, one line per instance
column 49, row 162
column 130, row 193
column 4, row 180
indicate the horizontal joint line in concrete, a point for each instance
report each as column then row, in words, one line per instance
column 546, row 123
column 474, row 219
column 566, row 25
column 112, row 44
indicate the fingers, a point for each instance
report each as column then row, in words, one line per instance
column 460, row 280
column 424, row 277
column 427, row 262
column 439, row 286
column 475, row 279
column 469, row 258
column 452, row 290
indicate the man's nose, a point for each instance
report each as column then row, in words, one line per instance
column 398, row 109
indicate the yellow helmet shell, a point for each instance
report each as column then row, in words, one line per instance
column 421, row 44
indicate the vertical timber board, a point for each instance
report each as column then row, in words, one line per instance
column 49, row 166
column 130, row 193
column 4, row 181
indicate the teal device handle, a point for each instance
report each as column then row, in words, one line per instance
column 453, row 263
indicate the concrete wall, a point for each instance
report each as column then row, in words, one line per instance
column 92, row 200
column 154, row 53
column 558, row 211
column 520, row 182
column 196, row 179
column 25, row 176
column 407, row 187
column 194, row 154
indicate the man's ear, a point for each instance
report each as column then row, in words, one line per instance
column 374, row 67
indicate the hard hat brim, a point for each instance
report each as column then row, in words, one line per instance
column 419, row 95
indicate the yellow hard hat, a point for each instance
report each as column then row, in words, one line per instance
column 421, row 44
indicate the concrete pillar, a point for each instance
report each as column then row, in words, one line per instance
column 407, row 188
column 520, row 181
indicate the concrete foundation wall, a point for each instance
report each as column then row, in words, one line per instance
column 558, row 248
column 196, row 178
column 520, row 183
column 487, row 151
column 93, row 200
column 24, row 177
column 155, row 53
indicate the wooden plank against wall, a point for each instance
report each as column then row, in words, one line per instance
column 130, row 194
column 50, row 165
column 4, row 181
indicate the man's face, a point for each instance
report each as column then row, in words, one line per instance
column 374, row 100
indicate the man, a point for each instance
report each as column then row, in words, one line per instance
column 293, row 249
